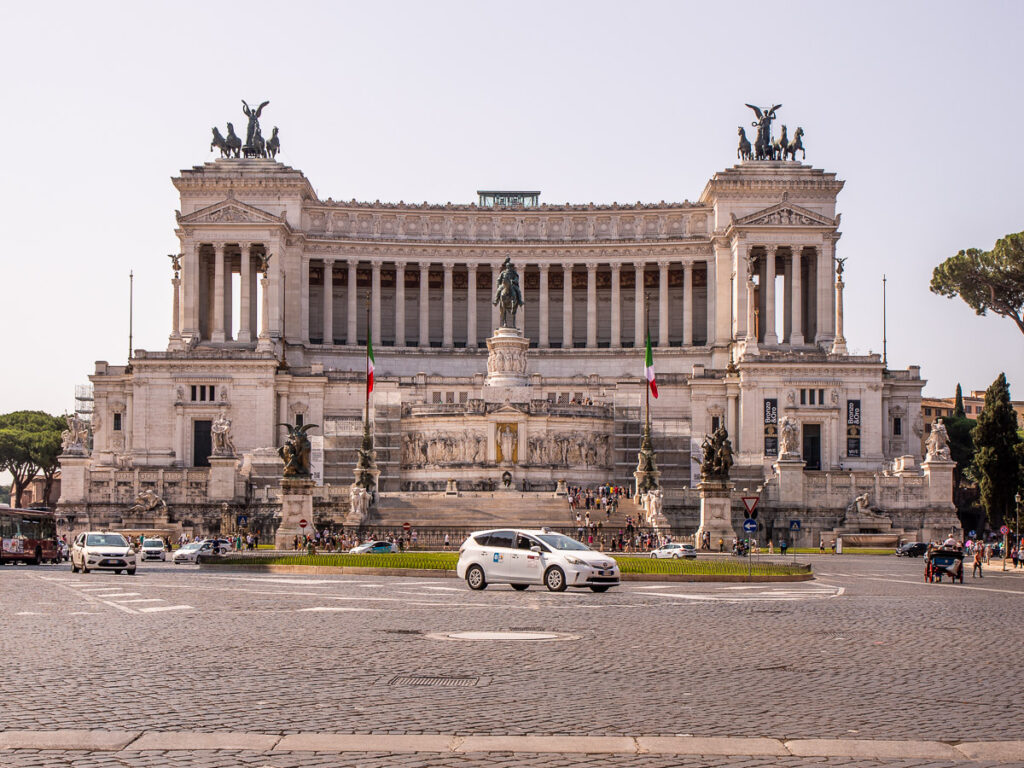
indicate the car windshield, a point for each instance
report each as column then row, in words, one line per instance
column 190, row 547
column 105, row 540
column 558, row 541
column 157, row 544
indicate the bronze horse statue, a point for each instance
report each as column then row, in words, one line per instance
column 779, row 146
column 743, row 151
column 508, row 298
column 229, row 146
column 791, row 148
column 273, row 144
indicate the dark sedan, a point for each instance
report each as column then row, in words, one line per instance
column 911, row 549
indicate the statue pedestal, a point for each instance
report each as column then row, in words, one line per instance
column 506, row 359
column 716, row 512
column 375, row 473
column 791, row 479
column 296, row 505
column 73, row 478
column 220, row 485
column 561, row 489
column 452, row 489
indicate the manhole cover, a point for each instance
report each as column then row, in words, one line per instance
column 442, row 682
column 503, row 635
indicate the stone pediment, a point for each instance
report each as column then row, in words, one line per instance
column 785, row 214
column 230, row 212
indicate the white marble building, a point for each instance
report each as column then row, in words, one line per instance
column 742, row 296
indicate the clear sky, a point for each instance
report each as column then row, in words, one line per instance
column 916, row 105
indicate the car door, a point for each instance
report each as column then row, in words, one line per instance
column 500, row 547
column 76, row 550
column 526, row 564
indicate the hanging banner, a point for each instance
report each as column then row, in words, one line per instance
column 853, row 428
column 771, row 427
column 316, row 458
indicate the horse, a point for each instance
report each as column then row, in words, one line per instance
column 273, row 144
column 234, row 143
column 794, row 145
column 219, row 143
column 742, row 152
column 779, row 145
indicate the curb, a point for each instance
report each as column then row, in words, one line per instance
column 437, row 573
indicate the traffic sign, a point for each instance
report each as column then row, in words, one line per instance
column 1004, row 530
column 794, row 525
column 972, row 534
column 243, row 520
column 406, row 526
column 303, row 523
column 750, row 526
column 750, row 502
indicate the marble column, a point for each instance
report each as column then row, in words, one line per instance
column 228, row 298
column 424, row 303
column 304, row 299
column 688, row 304
column 591, row 305
column 663, row 303
column 399, row 304
column 796, row 311
column 218, row 293
column 751, row 339
column 839, row 343
column 265, row 344
column 471, row 337
column 638, row 309
column 375, row 302
column 175, row 340
column 351, row 297
column 190, row 268
column 567, row 340
column 716, row 332
column 495, row 314
column 616, row 338
column 771, row 336
column 826, row 272
column 447, row 340
column 245, row 297
column 543, row 341
column 328, row 298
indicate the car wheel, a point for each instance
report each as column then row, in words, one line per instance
column 520, row 587
column 554, row 579
column 74, row 568
column 600, row 588
column 117, row 571
column 131, row 571
column 475, row 578
column 85, row 568
column 653, row 556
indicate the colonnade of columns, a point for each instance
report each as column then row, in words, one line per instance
column 207, row 310
column 456, row 330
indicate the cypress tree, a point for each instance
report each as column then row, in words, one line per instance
column 958, row 406
column 996, row 462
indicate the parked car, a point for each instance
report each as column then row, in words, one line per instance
column 525, row 557
column 911, row 549
column 674, row 550
column 102, row 551
column 153, row 549
column 373, row 547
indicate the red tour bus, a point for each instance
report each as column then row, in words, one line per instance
column 29, row 535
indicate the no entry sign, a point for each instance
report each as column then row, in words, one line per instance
column 303, row 523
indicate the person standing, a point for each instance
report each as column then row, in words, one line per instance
column 976, row 571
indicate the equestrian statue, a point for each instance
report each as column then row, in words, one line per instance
column 508, row 298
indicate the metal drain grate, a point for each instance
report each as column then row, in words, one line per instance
column 441, row 682
column 404, row 631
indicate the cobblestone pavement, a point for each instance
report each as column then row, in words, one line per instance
column 866, row 651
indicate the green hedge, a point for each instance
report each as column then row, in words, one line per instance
column 446, row 561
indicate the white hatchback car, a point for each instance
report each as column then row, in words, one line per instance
column 102, row 551
column 153, row 549
column 190, row 552
column 525, row 557
column 674, row 550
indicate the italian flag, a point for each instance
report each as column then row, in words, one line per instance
column 369, row 363
column 649, row 368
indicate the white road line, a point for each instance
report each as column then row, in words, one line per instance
column 334, row 608
column 81, row 594
column 120, row 594
column 142, row 600
column 958, row 586
column 157, row 608
column 28, row 613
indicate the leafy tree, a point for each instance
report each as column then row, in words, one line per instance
column 29, row 444
column 986, row 280
column 997, row 455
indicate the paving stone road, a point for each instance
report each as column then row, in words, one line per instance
column 866, row 651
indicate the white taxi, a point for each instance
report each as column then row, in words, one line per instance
column 102, row 551
column 525, row 557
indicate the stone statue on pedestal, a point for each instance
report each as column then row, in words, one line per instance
column 717, row 450
column 220, row 430
column 296, row 451
column 938, row 442
column 789, row 438
column 74, row 438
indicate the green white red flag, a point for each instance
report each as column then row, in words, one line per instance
column 369, row 362
column 649, row 368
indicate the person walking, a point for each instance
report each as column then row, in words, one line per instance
column 976, row 571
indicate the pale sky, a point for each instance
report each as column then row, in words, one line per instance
column 916, row 106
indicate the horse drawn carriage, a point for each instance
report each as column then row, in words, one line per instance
column 944, row 561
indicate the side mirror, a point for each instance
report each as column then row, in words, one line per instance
column 536, row 549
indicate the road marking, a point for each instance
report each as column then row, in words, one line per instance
column 959, row 586
column 28, row 613
column 157, row 608
column 142, row 600
column 121, row 594
column 334, row 608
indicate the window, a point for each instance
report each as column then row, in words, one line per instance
column 821, row 397
column 299, row 420
column 203, row 392
column 500, row 539
column 117, row 422
column 927, row 411
column 716, row 422
column 449, row 397
column 435, row 397
column 897, row 426
column 803, row 397
column 463, row 397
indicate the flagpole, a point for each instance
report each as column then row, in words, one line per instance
column 369, row 340
column 647, row 339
